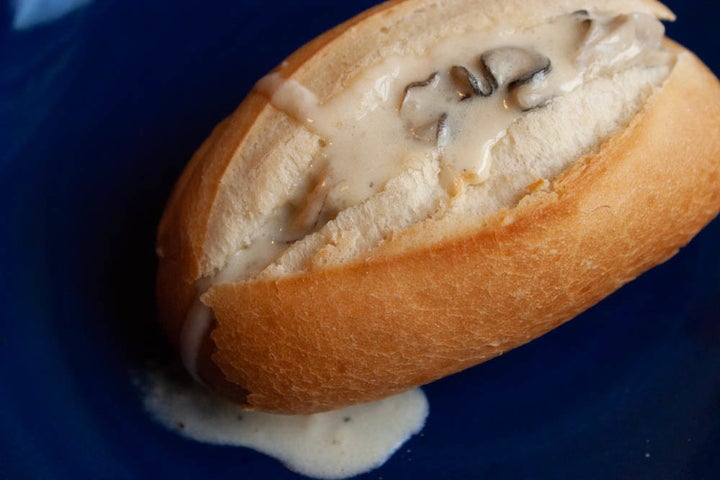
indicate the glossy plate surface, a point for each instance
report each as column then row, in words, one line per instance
column 100, row 110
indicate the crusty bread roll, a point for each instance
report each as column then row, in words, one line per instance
column 291, row 289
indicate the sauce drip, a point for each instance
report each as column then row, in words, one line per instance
column 331, row 445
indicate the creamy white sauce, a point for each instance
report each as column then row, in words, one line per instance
column 196, row 327
column 366, row 130
column 336, row 444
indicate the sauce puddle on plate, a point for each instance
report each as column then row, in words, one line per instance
column 337, row 444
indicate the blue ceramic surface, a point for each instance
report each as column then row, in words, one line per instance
column 100, row 110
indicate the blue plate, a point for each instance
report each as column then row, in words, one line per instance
column 100, row 110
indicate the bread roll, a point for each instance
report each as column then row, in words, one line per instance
column 429, row 185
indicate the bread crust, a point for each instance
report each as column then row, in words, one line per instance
column 420, row 308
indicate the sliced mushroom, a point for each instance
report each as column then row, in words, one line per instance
column 420, row 110
column 581, row 14
column 431, row 81
column 514, row 66
column 419, row 107
column 468, row 84
column 435, row 131
column 585, row 20
column 443, row 131
column 609, row 40
column 310, row 215
column 530, row 96
column 595, row 33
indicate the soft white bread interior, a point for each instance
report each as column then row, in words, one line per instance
column 417, row 281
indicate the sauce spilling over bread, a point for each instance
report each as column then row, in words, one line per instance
column 450, row 108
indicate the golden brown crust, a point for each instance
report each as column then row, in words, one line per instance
column 334, row 337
